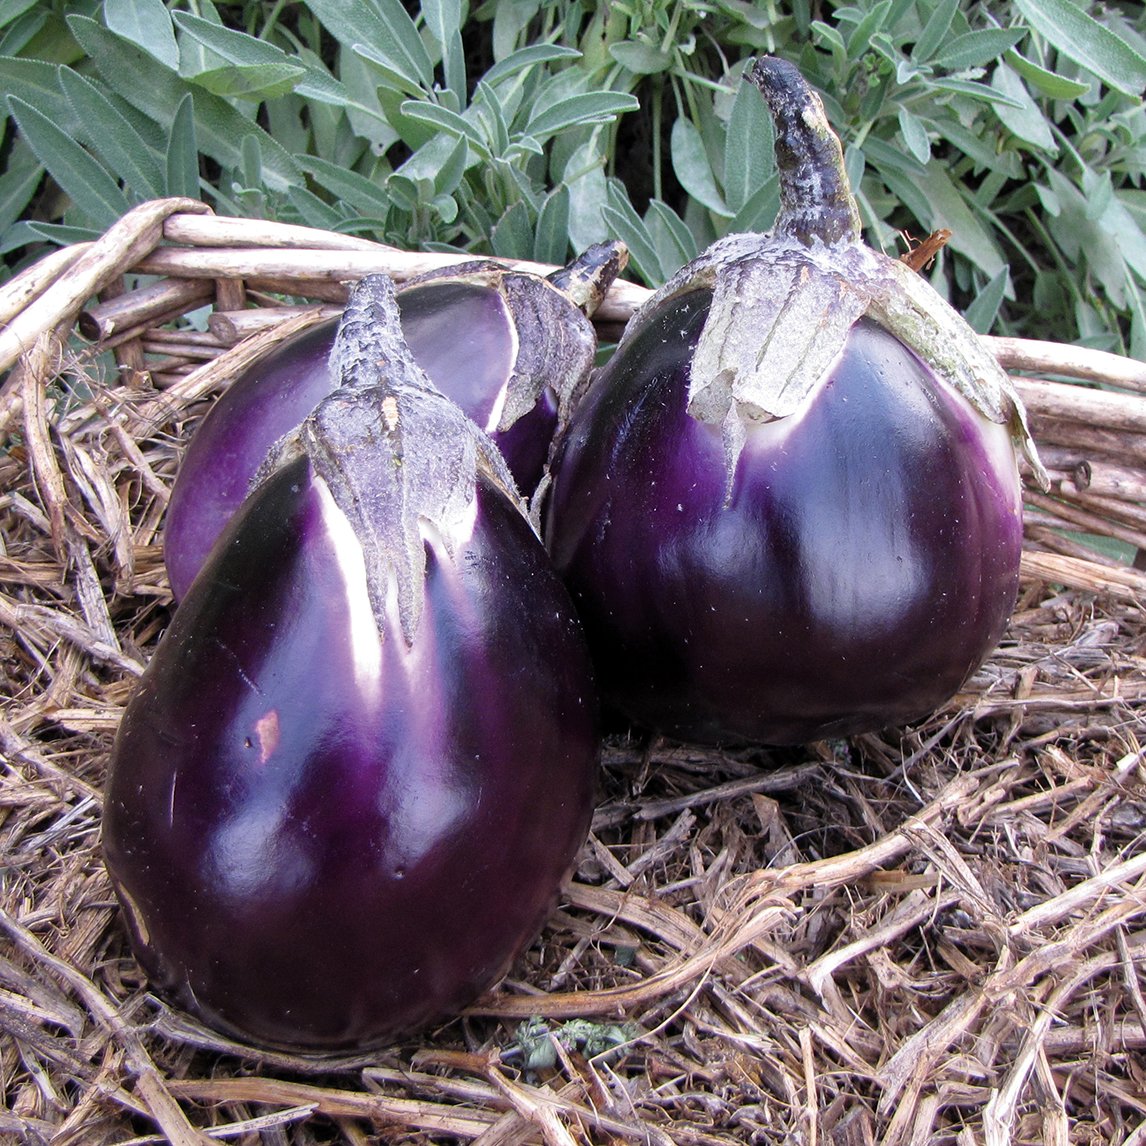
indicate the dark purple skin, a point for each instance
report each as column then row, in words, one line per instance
column 868, row 560
column 311, row 861
column 461, row 336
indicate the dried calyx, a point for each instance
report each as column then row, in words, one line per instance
column 783, row 303
column 397, row 455
column 555, row 343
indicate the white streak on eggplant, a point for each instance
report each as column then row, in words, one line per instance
column 364, row 634
column 495, row 412
column 460, row 534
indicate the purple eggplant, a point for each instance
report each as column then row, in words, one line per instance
column 789, row 507
column 363, row 756
column 509, row 347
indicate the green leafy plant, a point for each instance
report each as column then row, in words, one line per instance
column 1001, row 129
column 529, row 129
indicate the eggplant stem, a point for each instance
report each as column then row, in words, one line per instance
column 816, row 201
column 370, row 343
column 587, row 279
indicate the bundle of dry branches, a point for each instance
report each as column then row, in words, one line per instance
column 933, row 935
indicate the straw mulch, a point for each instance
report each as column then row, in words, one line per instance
column 933, row 935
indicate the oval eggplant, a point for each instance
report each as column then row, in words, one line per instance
column 789, row 507
column 363, row 756
column 510, row 348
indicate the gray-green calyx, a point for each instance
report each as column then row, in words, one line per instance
column 556, row 344
column 397, row 456
column 784, row 302
column 401, row 459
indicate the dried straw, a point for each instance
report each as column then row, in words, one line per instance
column 931, row 935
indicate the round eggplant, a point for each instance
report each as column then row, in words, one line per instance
column 510, row 348
column 789, row 507
column 363, row 756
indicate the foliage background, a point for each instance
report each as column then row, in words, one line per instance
column 531, row 129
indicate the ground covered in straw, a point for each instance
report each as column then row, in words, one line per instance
column 931, row 935
column 928, row 936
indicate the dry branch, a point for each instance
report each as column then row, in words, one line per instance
column 136, row 310
column 118, row 250
column 26, row 287
column 1034, row 356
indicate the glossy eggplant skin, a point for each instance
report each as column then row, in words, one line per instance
column 265, row 402
column 323, row 837
column 461, row 335
column 864, row 561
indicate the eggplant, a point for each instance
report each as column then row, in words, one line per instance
column 363, row 755
column 789, row 506
column 511, row 348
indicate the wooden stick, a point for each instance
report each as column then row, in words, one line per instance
column 191, row 350
column 199, row 338
column 232, row 326
column 1129, row 513
column 130, row 362
column 121, row 246
column 31, row 282
column 220, row 231
column 308, row 268
column 230, row 293
column 1128, row 584
column 229, row 231
column 1115, row 482
column 1068, row 361
column 302, row 255
column 1081, row 474
column 171, row 375
column 1094, row 439
column 1082, row 404
column 152, row 330
column 213, row 374
column 136, row 308
column 429, row 1117
column 303, row 266
column 335, row 293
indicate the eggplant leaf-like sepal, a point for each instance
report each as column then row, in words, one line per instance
column 400, row 459
column 784, row 302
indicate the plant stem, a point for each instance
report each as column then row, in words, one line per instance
column 271, row 20
column 657, row 127
column 816, row 202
